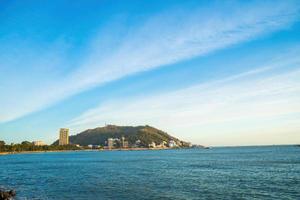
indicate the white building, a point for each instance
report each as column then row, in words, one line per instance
column 39, row 143
column 152, row 145
column 162, row 145
column 124, row 142
column 110, row 143
column 172, row 144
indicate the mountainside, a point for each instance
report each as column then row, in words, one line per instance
column 146, row 135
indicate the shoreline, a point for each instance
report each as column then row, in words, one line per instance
column 60, row 151
column 131, row 149
column 29, row 152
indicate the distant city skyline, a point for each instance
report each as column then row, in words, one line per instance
column 209, row 72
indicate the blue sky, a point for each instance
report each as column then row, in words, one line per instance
column 210, row 72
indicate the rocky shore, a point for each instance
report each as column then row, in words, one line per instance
column 7, row 195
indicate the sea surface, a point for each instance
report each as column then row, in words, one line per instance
column 218, row 173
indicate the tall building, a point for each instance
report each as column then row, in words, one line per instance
column 124, row 143
column 64, row 136
column 110, row 143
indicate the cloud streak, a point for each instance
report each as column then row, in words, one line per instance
column 246, row 100
column 174, row 36
column 163, row 39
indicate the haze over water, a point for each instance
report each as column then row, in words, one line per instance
column 218, row 173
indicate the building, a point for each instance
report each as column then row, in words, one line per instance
column 172, row 144
column 93, row 146
column 138, row 143
column 39, row 143
column 124, row 143
column 110, row 143
column 152, row 145
column 162, row 145
column 64, row 136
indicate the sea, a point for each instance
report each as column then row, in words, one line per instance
column 263, row 172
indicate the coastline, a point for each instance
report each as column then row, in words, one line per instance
column 30, row 152
column 135, row 149
column 57, row 151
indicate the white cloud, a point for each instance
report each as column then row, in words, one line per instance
column 164, row 39
column 246, row 100
column 182, row 34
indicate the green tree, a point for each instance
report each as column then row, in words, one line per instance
column 26, row 143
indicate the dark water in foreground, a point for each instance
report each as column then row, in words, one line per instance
column 218, row 173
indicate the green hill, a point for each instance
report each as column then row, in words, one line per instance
column 146, row 135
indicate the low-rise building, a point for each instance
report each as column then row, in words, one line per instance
column 39, row 143
column 161, row 145
column 172, row 144
column 152, row 145
column 138, row 143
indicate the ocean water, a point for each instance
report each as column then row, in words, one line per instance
column 217, row 173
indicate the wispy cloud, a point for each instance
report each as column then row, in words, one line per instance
column 177, row 35
column 257, row 95
column 163, row 39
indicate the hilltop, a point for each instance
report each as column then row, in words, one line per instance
column 145, row 134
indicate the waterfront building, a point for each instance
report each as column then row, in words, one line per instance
column 93, row 146
column 124, row 143
column 39, row 143
column 64, row 136
column 110, row 143
column 152, row 145
column 138, row 143
column 172, row 144
column 162, row 145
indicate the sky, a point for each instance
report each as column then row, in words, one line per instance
column 216, row 73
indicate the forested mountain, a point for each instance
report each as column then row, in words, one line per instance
column 146, row 135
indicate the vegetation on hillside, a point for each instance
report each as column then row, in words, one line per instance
column 146, row 134
column 99, row 136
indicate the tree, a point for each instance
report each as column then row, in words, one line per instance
column 26, row 143
column 2, row 143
